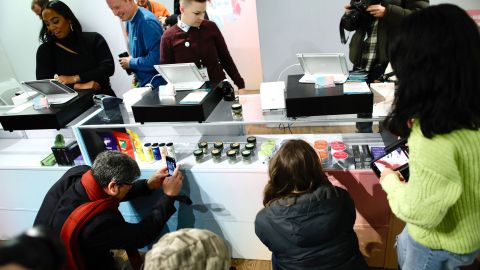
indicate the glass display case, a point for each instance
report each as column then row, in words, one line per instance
column 227, row 191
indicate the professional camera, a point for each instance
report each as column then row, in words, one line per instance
column 357, row 17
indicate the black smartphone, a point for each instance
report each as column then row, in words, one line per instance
column 125, row 54
column 395, row 158
column 171, row 165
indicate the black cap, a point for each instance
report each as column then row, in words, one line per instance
column 246, row 153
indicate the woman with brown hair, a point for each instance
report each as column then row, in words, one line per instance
column 307, row 222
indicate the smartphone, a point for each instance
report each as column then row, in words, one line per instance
column 395, row 158
column 125, row 54
column 171, row 165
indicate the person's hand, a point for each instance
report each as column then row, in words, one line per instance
column 125, row 62
column 67, row 79
column 162, row 20
column 348, row 8
column 135, row 82
column 173, row 184
column 388, row 171
column 87, row 86
column 156, row 180
column 377, row 11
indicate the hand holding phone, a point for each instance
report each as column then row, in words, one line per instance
column 122, row 55
column 396, row 159
column 172, row 184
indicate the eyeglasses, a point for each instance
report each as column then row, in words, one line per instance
column 123, row 183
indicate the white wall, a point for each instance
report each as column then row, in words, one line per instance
column 465, row 4
column 19, row 29
column 286, row 27
column 6, row 70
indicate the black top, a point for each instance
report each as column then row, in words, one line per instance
column 93, row 61
column 173, row 19
column 108, row 230
column 316, row 232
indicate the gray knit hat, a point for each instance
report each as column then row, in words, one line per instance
column 189, row 249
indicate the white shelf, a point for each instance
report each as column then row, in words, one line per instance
column 26, row 154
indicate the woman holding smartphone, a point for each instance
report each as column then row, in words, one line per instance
column 436, row 58
column 307, row 222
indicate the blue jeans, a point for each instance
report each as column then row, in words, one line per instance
column 414, row 256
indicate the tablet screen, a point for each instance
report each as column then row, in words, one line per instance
column 49, row 87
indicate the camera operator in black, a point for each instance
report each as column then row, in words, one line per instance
column 368, row 46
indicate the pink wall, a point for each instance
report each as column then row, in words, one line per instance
column 237, row 19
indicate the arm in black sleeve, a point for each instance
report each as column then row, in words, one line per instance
column 115, row 233
column 395, row 14
column 105, row 66
column 171, row 20
column 46, row 67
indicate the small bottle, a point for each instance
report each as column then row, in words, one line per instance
column 252, row 140
column 236, row 147
column 163, row 151
column 147, row 151
column 251, row 147
column 198, row 154
column 156, row 151
column 218, row 145
column 204, row 147
column 237, row 111
column 216, row 155
column 232, row 156
column 246, row 155
column 170, row 150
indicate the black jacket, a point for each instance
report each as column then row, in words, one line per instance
column 316, row 232
column 108, row 230
column 395, row 10
column 93, row 61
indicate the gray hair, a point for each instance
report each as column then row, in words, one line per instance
column 116, row 165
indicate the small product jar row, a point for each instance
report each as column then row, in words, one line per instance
column 158, row 151
column 232, row 154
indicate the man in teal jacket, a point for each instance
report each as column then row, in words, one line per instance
column 144, row 34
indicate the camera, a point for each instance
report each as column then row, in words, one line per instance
column 358, row 17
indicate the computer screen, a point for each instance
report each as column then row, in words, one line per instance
column 323, row 63
column 179, row 73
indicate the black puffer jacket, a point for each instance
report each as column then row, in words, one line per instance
column 316, row 232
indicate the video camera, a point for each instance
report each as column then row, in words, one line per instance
column 357, row 17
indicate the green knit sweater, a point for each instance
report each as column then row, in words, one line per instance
column 441, row 201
